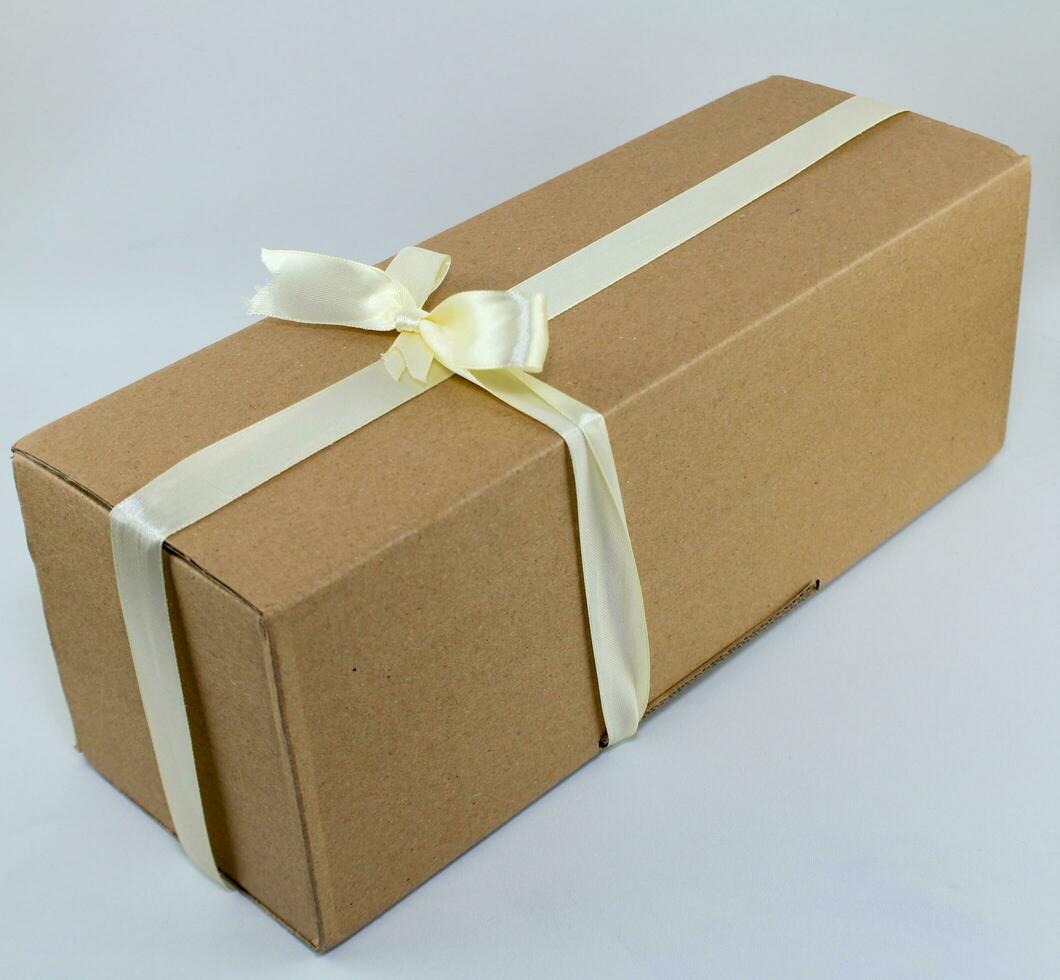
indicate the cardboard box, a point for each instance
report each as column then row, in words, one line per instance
column 377, row 670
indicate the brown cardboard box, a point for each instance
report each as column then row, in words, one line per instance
column 384, row 650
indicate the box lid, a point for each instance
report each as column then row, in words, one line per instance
column 316, row 522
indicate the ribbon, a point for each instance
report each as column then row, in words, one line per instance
column 497, row 340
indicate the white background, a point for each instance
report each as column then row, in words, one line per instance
column 870, row 790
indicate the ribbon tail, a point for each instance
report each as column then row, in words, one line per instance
column 613, row 596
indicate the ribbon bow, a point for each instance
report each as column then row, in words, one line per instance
column 478, row 330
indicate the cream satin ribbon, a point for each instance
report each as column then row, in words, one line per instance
column 495, row 340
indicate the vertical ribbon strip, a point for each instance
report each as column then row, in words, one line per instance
column 225, row 470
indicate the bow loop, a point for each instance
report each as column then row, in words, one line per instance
column 478, row 330
column 311, row 288
column 482, row 330
column 419, row 270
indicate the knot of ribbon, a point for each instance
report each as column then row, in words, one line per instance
column 477, row 330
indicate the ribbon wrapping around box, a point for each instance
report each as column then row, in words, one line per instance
column 494, row 339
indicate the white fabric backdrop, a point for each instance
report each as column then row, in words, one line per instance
column 868, row 790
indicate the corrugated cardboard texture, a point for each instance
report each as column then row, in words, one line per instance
column 371, row 634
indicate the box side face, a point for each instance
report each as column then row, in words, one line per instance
column 454, row 668
column 796, row 450
column 224, row 656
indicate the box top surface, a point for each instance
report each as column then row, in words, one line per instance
column 316, row 522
